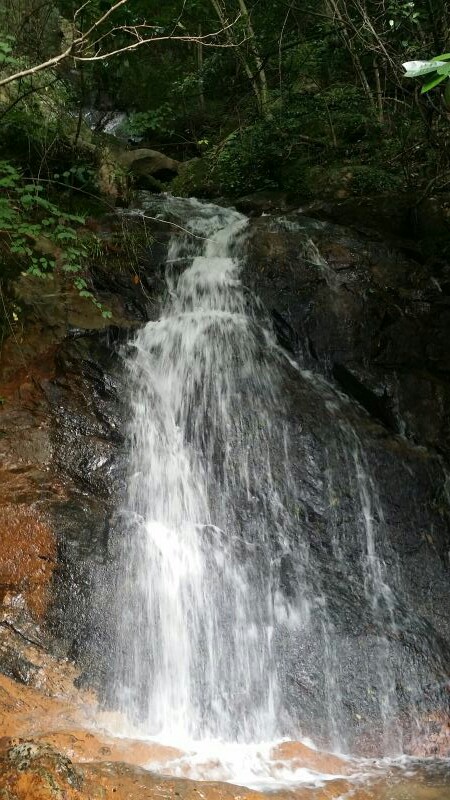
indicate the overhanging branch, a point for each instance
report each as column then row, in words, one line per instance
column 83, row 42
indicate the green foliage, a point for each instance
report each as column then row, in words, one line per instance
column 156, row 121
column 80, row 175
column 339, row 181
column 338, row 115
column 7, row 58
column 38, row 131
column 367, row 180
column 437, row 71
column 274, row 152
column 41, row 233
column 248, row 159
column 333, row 96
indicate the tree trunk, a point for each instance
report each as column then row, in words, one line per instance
column 252, row 75
column 261, row 74
column 200, row 70
column 334, row 6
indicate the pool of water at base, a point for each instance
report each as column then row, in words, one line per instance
column 298, row 769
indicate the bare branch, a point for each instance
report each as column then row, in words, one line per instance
column 80, row 9
column 151, row 39
column 102, row 19
column 85, row 41
column 51, row 62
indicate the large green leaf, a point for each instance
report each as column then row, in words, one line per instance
column 431, row 84
column 447, row 94
column 416, row 68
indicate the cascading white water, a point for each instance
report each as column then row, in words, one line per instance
column 198, row 622
column 234, row 623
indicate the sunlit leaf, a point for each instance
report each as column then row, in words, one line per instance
column 416, row 68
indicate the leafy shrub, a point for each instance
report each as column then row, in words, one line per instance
column 249, row 159
column 274, row 152
column 155, row 121
column 337, row 180
column 41, row 233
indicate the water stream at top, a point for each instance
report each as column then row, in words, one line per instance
column 224, row 611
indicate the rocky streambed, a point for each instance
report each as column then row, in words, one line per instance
column 51, row 748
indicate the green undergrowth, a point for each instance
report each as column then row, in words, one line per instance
column 321, row 142
column 41, row 234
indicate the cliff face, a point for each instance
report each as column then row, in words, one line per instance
column 61, row 436
column 369, row 310
column 359, row 311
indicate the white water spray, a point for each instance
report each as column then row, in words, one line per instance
column 198, row 632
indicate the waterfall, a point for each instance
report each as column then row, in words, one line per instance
column 234, row 611
column 199, row 621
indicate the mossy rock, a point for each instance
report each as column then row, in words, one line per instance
column 30, row 771
column 336, row 182
column 194, row 179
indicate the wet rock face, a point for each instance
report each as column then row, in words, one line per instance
column 364, row 312
column 27, row 556
column 61, row 435
column 86, row 401
column 367, row 317
column 60, row 479
column 356, row 480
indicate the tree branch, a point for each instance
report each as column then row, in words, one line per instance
column 84, row 41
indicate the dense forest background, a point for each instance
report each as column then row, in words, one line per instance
column 307, row 97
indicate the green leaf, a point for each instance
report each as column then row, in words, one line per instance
column 43, row 203
column 443, row 57
column 415, row 69
column 447, row 94
column 71, row 267
column 80, row 283
column 431, row 84
column 74, row 218
column 6, row 166
column 65, row 235
column 8, row 182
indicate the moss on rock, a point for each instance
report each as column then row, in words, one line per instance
column 339, row 181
